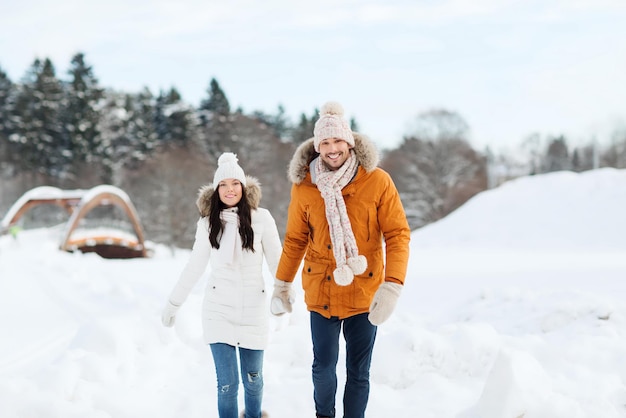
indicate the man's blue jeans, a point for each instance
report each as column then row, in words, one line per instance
column 360, row 335
column 225, row 359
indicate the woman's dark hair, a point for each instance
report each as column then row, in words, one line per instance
column 216, row 226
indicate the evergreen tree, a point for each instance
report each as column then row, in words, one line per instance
column 129, row 134
column 217, row 102
column 215, row 122
column 81, row 116
column 141, row 128
column 173, row 118
column 113, row 126
column 25, row 140
column 304, row 129
column 49, row 107
column 576, row 161
column 354, row 125
column 160, row 120
column 173, row 96
column 557, row 156
column 7, row 96
column 278, row 122
column 37, row 112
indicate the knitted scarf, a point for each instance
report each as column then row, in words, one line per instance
column 230, row 249
column 330, row 183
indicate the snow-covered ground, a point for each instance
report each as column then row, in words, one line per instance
column 514, row 305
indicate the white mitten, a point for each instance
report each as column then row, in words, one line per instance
column 169, row 314
column 384, row 302
column 282, row 298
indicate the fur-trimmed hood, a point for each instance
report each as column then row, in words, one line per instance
column 364, row 148
column 252, row 191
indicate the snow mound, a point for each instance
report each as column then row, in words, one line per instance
column 568, row 210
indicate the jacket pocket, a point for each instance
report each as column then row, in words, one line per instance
column 372, row 224
column 316, row 283
column 366, row 284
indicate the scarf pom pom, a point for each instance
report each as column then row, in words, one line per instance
column 343, row 275
column 358, row 264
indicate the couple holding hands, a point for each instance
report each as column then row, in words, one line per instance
column 346, row 221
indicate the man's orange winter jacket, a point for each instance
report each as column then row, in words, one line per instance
column 375, row 212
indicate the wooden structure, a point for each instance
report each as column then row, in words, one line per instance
column 108, row 242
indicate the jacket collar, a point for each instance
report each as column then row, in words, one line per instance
column 364, row 148
column 252, row 190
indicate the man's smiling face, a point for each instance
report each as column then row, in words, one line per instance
column 334, row 152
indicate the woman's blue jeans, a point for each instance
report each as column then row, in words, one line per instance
column 360, row 335
column 251, row 361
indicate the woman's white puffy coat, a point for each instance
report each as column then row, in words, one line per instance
column 235, row 309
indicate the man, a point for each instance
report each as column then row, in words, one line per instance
column 342, row 206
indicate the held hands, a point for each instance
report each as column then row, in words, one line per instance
column 384, row 302
column 169, row 314
column 283, row 297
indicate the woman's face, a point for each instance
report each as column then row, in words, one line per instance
column 230, row 191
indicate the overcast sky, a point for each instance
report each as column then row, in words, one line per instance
column 509, row 68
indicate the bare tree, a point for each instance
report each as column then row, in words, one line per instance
column 615, row 154
column 531, row 146
column 265, row 156
column 436, row 170
column 165, row 189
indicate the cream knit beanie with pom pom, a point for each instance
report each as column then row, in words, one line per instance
column 331, row 124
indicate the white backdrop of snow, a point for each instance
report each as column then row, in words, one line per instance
column 513, row 306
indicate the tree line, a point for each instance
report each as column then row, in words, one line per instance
column 70, row 132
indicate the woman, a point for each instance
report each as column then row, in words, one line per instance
column 232, row 235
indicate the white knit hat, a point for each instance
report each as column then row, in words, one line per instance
column 227, row 168
column 331, row 124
